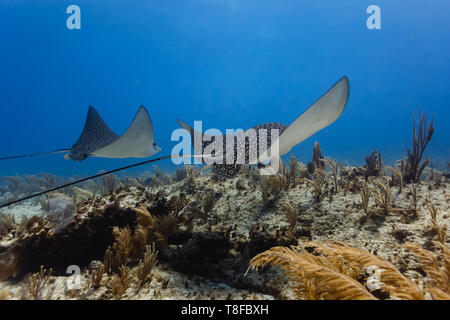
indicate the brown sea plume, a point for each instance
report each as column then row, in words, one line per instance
column 332, row 270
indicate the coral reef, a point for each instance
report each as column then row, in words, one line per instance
column 316, row 231
column 120, row 228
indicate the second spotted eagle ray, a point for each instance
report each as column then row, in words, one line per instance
column 98, row 140
column 322, row 113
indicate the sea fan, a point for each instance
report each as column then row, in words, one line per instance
column 61, row 212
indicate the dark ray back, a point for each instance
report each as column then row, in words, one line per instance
column 224, row 171
column 96, row 135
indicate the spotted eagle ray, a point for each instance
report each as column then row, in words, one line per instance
column 98, row 140
column 322, row 113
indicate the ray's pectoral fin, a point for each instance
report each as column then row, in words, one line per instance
column 96, row 134
column 136, row 142
column 321, row 114
column 203, row 137
column 194, row 132
column 35, row 154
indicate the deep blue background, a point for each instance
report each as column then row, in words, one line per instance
column 230, row 63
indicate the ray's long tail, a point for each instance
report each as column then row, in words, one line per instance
column 35, row 154
column 89, row 178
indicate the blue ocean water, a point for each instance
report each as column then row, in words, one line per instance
column 229, row 63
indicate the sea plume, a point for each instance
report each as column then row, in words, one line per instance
column 438, row 273
column 332, row 270
column 313, row 277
